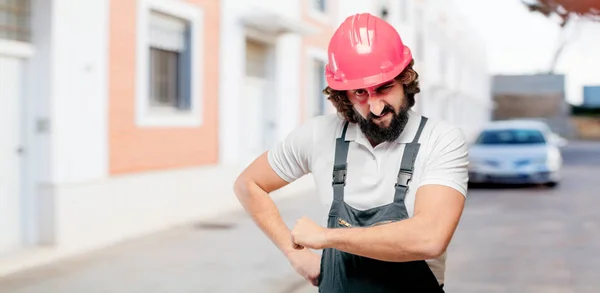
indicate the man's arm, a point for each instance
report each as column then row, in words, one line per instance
column 424, row 236
column 252, row 189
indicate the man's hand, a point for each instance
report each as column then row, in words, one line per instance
column 308, row 234
column 307, row 264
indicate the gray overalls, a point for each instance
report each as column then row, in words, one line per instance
column 343, row 272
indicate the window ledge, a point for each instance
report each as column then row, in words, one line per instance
column 15, row 49
column 167, row 117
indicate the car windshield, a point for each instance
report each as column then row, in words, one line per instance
column 511, row 136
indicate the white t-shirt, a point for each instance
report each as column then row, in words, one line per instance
column 372, row 172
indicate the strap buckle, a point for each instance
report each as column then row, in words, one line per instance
column 404, row 176
column 339, row 174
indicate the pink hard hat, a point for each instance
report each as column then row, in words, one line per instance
column 365, row 51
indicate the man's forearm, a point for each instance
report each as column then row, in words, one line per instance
column 407, row 240
column 259, row 205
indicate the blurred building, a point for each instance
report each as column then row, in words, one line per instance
column 591, row 96
column 529, row 96
column 585, row 118
column 540, row 96
column 456, row 85
column 123, row 117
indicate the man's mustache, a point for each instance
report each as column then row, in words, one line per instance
column 386, row 110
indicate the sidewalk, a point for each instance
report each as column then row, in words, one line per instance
column 228, row 254
column 82, row 218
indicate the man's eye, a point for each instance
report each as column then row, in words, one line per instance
column 360, row 92
column 385, row 88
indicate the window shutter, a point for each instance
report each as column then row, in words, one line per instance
column 167, row 32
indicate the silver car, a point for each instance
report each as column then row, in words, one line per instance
column 516, row 152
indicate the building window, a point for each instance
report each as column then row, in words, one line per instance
column 319, row 82
column 15, row 23
column 169, row 82
column 320, row 5
column 169, row 57
column 318, row 10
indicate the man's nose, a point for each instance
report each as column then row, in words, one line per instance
column 376, row 105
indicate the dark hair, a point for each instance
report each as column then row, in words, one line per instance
column 409, row 79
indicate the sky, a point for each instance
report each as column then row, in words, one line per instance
column 521, row 42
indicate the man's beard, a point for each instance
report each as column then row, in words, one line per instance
column 379, row 134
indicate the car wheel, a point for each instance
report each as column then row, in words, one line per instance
column 551, row 184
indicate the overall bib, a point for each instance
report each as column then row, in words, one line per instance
column 343, row 272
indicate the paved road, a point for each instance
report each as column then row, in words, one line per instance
column 533, row 239
column 509, row 240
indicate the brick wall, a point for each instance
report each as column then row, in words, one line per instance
column 134, row 148
column 528, row 105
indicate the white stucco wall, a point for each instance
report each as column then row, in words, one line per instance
column 78, row 91
column 288, row 71
column 347, row 8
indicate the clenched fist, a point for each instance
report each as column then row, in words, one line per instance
column 307, row 233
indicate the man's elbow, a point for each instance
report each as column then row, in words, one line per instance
column 434, row 247
column 241, row 186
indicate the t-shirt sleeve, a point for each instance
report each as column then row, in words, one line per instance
column 291, row 157
column 448, row 161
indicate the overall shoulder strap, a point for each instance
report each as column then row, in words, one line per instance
column 340, row 165
column 407, row 165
